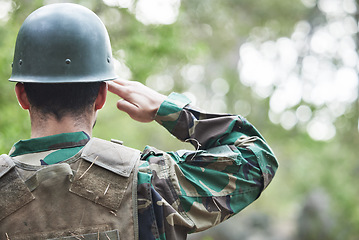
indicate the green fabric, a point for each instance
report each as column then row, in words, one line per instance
column 169, row 110
column 63, row 146
column 61, row 155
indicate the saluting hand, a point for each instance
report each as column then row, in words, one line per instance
column 138, row 100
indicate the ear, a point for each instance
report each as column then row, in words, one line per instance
column 101, row 97
column 22, row 96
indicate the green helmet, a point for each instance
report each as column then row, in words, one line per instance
column 62, row 43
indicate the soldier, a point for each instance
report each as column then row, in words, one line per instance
column 64, row 184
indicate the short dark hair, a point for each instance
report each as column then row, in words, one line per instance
column 61, row 99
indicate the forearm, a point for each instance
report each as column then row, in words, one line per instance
column 231, row 166
column 205, row 130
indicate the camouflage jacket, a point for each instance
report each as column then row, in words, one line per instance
column 184, row 191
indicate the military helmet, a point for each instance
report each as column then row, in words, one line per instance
column 62, row 43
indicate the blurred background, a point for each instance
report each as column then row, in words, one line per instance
column 290, row 67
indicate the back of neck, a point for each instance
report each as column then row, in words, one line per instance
column 52, row 126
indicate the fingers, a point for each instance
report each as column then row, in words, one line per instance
column 128, row 90
column 139, row 101
column 135, row 112
column 120, row 82
column 117, row 87
column 127, row 107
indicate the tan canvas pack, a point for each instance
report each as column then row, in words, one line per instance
column 90, row 196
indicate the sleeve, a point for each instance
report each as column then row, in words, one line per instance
column 229, row 168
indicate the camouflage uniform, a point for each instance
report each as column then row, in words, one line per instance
column 184, row 191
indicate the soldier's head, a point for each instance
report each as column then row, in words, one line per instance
column 62, row 57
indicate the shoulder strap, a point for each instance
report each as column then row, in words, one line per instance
column 14, row 194
column 6, row 164
column 111, row 156
column 106, row 168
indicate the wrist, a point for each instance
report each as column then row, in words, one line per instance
column 170, row 109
